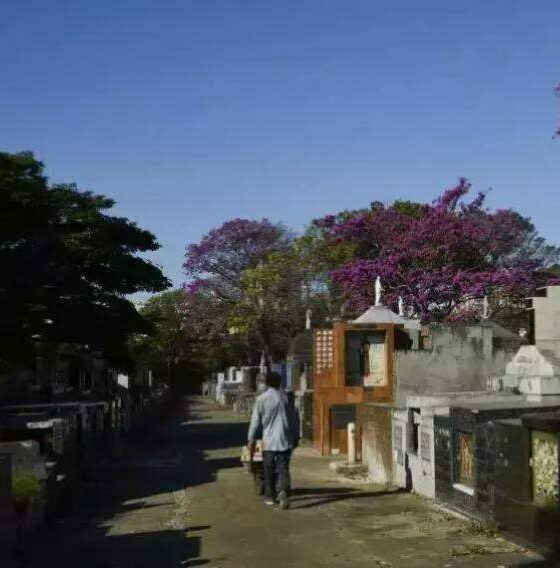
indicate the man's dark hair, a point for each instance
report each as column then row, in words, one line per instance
column 273, row 380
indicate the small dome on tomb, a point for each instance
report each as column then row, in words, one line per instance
column 380, row 314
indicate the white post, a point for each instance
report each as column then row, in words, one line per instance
column 351, row 443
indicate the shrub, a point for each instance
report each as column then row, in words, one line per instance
column 26, row 489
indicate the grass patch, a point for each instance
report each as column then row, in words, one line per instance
column 488, row 528
column 470, row 550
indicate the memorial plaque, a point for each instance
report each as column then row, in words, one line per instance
column 58, row 435
column 425, row 447
column 465, row 459
column 376, row 376
column 342, row 415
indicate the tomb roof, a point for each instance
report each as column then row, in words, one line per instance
column 515, row 402
column 549, row 421
column 380, row 314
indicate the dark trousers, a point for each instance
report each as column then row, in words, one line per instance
column 276, row 473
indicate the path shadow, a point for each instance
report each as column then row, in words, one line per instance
column 165, row 549
column 320, row 496
column 159, row 463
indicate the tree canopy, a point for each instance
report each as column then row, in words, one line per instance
column 252, row 282
column 215, row 267
column 66, row 265
column 440, row 257
column 176, row 354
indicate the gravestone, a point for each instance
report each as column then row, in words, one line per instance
column 59, row 432
column 26, row 457
column 535, row 372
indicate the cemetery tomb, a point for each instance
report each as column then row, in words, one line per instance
column 353, row 364
column 469, row 457
column 526, row 477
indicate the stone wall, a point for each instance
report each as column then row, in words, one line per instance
column 456, row 358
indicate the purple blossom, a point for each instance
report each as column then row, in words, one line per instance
column 451, row 253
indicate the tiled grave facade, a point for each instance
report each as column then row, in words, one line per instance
column 526, row 477
column 467, row 454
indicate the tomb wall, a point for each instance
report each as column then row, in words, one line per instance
column 456, row 358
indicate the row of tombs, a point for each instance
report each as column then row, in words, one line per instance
column 467, row 414
column 54, row 442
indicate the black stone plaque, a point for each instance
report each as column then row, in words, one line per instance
column 342, row 415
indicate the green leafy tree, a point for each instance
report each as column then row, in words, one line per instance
column 171, row 349
column 166, row 345
column 66, row 265
column 214, row 268
column 276, row 296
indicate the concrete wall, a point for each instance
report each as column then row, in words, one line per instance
column 375, row 423
column 547, row 319
column 399, row 448
column 414, row 469
column 459, row 358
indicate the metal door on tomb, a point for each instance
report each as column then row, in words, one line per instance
column 544, row 462
column 513, row 476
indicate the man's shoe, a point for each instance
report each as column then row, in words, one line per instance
column 283, row 500
column 269, row 502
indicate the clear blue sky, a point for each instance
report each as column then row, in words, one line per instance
column 191, row 112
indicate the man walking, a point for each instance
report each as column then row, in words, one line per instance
column 275, row 419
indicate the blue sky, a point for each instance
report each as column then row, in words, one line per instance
column 191, row 112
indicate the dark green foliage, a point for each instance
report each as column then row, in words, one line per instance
column 66, row 265
column 172, row 350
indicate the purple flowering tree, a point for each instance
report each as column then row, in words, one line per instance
column 440, row 257
column 214, row 268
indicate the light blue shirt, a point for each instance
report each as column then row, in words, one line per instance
column 275, row 420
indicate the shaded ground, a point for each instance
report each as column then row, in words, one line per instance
column 180, row 498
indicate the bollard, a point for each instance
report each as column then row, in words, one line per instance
column 351, row 443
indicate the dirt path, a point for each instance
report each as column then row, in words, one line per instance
column 180, row 498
